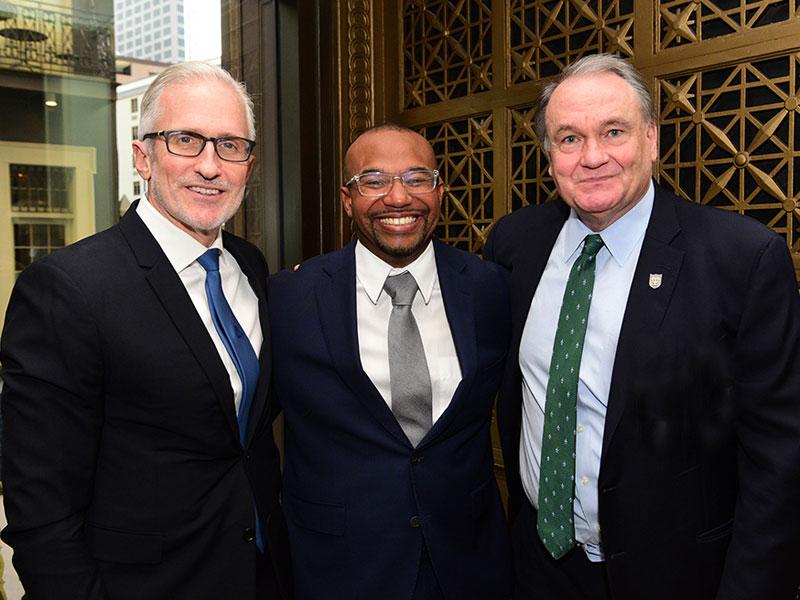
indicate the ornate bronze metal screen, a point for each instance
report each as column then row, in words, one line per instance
column 725, row 75
column 465, row 73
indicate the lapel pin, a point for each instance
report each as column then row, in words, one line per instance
column 655, row 280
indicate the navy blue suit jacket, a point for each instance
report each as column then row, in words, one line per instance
column 124, row 475
column 699, row 482
column 359, row 498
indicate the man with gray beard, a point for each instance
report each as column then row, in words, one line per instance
column 138, row 453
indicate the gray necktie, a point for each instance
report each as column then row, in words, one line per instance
column 408, row 369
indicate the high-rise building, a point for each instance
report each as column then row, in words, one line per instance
column 150, row 30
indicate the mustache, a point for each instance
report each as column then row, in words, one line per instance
column 218, row 183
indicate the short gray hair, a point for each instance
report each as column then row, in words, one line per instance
column 592, row 65
column 187, row 72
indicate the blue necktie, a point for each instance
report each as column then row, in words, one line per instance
column 236, row 343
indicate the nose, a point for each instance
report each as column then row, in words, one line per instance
column 593, row 153
column 207, row 163
column 397, row 196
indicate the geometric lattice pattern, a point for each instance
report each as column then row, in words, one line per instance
column 546, row 36
column 463, row 151
column 683, row 22
column 730, row 137
column 447, row 50
column 529, row 182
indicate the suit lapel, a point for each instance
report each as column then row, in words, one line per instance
column 170, row 291
column 647, row 303
column 458, row 298
column 530, row 264
column 336, row 306
column 258, row 285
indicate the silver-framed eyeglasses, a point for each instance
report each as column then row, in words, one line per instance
column 375, row 183
column 191, row 143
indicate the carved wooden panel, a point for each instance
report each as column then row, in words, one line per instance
column 730, row 137
column 690, row 21
column 464, row 153
column 544, row 37
column 447, row 50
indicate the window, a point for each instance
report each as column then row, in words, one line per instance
column 134, row 133
column 134, row 105
column 137, row 189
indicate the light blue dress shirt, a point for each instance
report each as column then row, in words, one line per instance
column 615, row 266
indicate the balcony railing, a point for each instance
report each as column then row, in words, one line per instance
column 43, row 38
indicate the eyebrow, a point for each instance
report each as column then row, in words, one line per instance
column 377, row 170
column 603, row 125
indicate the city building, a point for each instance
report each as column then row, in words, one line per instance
column 133, row 78
column 150, row 29
column 57, row 159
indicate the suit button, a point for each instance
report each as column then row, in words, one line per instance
column 248, row 535
column 247, row 456
column 415, row 521
column 416, row 459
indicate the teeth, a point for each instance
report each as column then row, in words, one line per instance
column 204, row 191
column 398, row 220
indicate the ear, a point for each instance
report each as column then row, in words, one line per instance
column 347, row 200
column 141, row 159
column 652, row 139
column 250, row 164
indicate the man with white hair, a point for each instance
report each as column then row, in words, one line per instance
column 650, row 410
column 139, row 461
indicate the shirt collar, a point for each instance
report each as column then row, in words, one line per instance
column 620, row 238
column 372, row 272
column 180, row 248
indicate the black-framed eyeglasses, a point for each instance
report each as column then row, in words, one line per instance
column 376, row 183
column 191, row 143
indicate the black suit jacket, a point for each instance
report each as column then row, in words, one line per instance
column 123, row 472
column 699, row 482
column 360, row 500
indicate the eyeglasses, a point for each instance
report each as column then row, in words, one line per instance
column 190, row 143
column 375, row 183
column 572, row 143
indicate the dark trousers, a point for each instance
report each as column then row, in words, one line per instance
column 540, row 577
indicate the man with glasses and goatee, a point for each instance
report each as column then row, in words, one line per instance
column 388, row 357
column 138, row 453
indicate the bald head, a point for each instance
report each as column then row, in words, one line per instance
column 379, row 133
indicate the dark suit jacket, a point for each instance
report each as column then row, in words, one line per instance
column 359, row 498
column 699, row 488
column 124, row 476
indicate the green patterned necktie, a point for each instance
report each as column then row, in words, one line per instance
column 557, row 469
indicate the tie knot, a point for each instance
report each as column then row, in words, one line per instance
column 402, row 288
column 209, row 260
column 592, row 244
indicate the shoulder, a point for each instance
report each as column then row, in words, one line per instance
column 89, row 259
column 709, row 226
column 514, row 232
column 487, row 280
column 245, row 251
column 308, row 272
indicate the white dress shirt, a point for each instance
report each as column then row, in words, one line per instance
column 614, row 270
column 373, row 309
column 182, row 251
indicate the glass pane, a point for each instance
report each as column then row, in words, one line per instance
column 40, row 237
column 57, row 236
column 22, row 235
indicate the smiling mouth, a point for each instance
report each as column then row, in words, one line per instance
column 397, row 220
column 205, row 191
